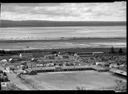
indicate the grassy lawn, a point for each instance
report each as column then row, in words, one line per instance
column 71, row 80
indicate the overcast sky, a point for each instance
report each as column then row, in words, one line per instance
column 115, row 11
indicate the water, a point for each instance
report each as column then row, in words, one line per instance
column 32, row 33
column 24, row 33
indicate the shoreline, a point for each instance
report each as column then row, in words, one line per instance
column 62, row 39
column 92, row 49
column 64, row 43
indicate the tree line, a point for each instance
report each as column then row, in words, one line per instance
column 113, row 51
column 3, row 52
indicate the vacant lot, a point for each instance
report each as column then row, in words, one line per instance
column 72, row 80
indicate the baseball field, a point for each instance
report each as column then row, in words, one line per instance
column 73, row 80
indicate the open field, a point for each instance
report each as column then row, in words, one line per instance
column 71, row 80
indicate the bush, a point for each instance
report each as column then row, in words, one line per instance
column 112, row 50
column 33, row 73
column 120, row 51
column 80, row 88
column 121, row 86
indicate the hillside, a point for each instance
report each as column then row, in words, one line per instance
column 32, row 23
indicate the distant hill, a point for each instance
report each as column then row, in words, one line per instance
column 117, row 39
column 35, row 23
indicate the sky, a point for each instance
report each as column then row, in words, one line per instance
column 113, row 11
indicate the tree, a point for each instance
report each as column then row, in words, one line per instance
column 80, row 88
column 120, row 86
column 112, row 50
column 70, row 53
column 54, row 52
column 120, row 51
column 2, row 52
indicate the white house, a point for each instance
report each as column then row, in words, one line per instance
column 4, row 60
column 102, row 64
column 113, row 66
column 20, row 55
column 99, row 63
column 10, row 59
column 7, row 69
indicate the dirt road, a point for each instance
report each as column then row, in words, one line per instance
column 14, row 79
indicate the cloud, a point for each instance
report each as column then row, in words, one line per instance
column 65, row 11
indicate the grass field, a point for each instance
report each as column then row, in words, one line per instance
column 71, row 80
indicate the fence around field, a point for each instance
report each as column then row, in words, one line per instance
column 67, row 68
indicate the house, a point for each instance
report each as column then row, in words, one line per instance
column 14, row 59
column 7, row 69
column 75, row 55
column 10, row 59
column 122, row 65
column 60, row 56
column 31, row 64
column 4, row 84
column 57, row 67
column 39, row 65
column 34, row 59
column 65, row 57
column 103, row 64
column 20, row 56
column 3, row 61
column 49, row 57
column 113, row 66
column 97, row 53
